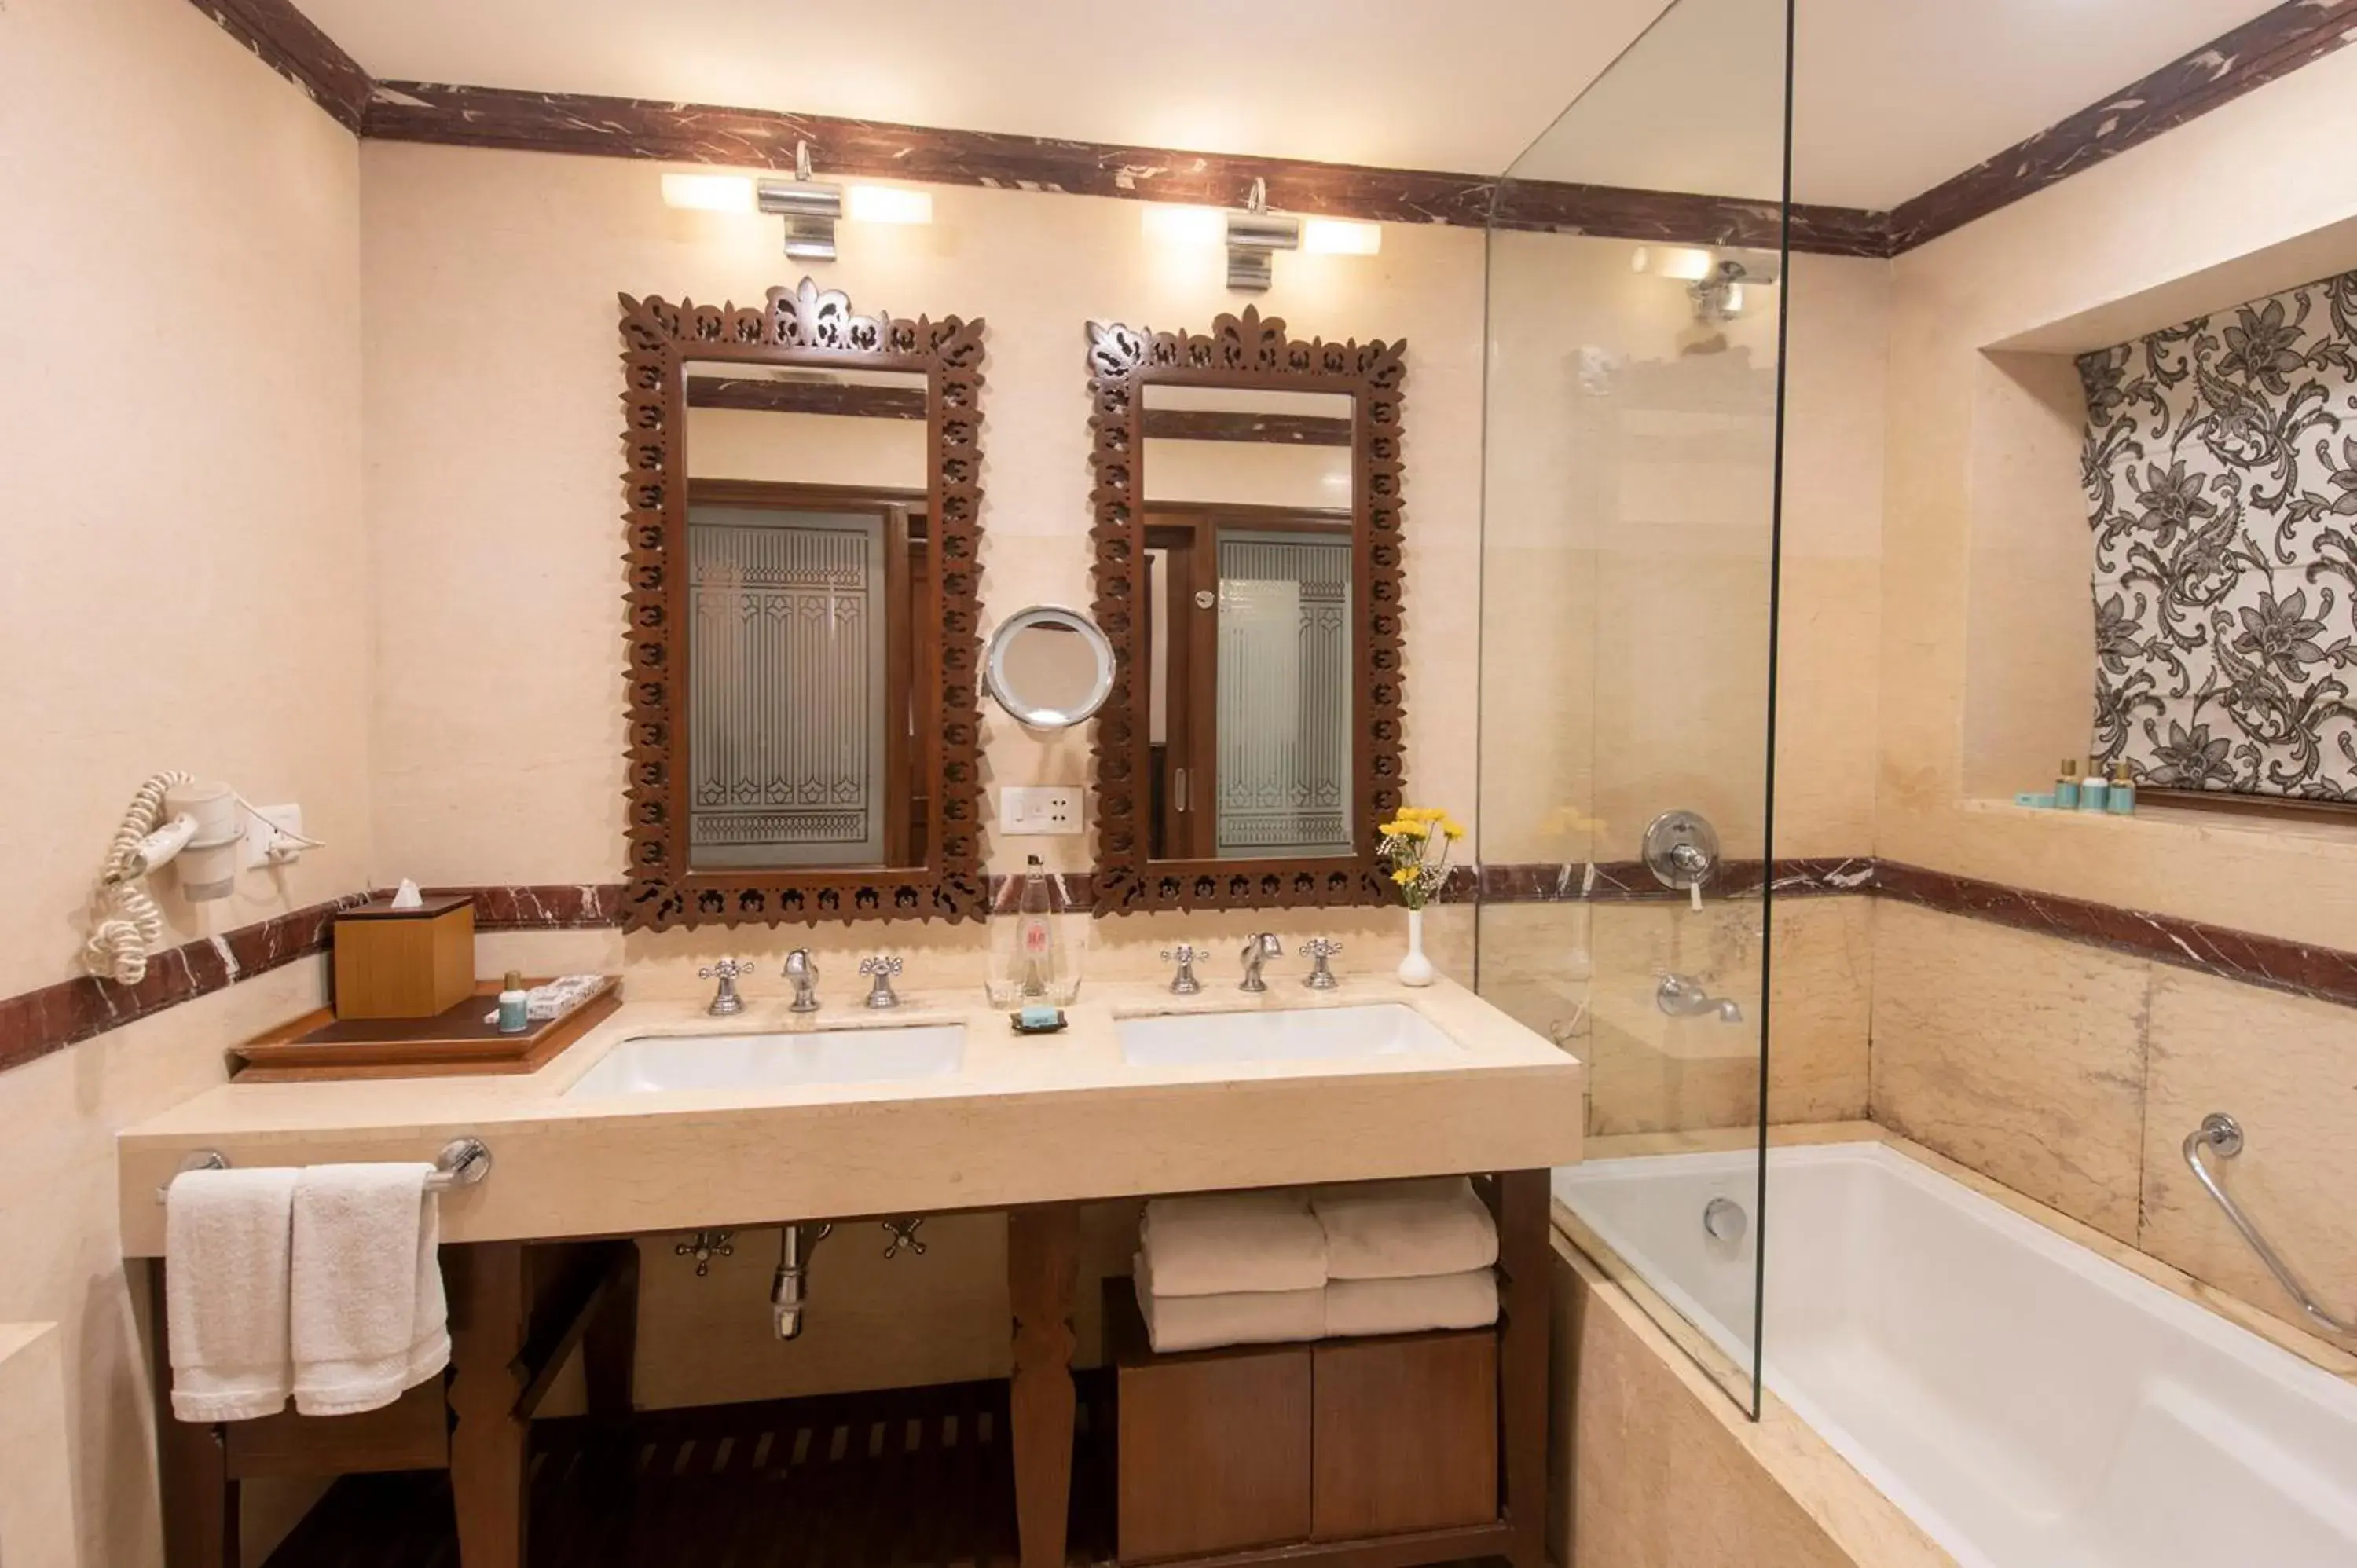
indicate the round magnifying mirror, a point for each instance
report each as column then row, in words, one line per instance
column 1050, row 667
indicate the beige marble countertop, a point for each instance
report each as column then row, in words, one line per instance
column 1024, row 1119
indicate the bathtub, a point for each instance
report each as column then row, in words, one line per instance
column 2029, row 1403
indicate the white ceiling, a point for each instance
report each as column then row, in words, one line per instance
column 1894, row 95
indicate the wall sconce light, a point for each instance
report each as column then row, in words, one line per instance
column 1255, row 235
column 810, row 208
column 1713, row 279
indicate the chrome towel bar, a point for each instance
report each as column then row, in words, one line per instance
column 463, row 1161
column 2223, row 1132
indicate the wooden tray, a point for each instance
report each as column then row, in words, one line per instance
column 454, row 1043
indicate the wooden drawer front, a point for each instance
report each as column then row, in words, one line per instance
column 1213, row 1453
column 413, row 1433
column 1405, row 1433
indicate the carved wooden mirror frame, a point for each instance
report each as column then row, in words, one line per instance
column 1250, row 352
column 808, row 325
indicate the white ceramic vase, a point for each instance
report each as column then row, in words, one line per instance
column 1416, row 969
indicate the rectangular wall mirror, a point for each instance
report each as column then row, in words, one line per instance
column 1248, row 571
column 803, row 579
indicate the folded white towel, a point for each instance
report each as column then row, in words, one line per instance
column 1404, row 1229
column 226, row 1236
column 369, row 1316
column 1257, row 1242
column 1411, row 1306
column 1238, row 1318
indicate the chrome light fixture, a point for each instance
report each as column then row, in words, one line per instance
column 1715, row 279
column 810, row 207
column 1255, row 235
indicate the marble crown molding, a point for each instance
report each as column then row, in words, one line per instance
column 2269, row 46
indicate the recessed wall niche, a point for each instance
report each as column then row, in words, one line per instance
column 2029, row 637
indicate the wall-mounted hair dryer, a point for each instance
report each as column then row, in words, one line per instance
column 174, row 820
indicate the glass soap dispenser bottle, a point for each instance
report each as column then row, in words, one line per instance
column 1030, row 964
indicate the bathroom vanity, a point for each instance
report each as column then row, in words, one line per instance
column 664, row 1120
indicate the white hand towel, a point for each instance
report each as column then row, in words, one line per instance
column 368, row 1318
column 1411, row 1306
column 1243, row 1317
column 1255, row 1242
column 1404, row 1229
column 226, row 1236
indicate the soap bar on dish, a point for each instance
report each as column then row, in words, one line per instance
column 1038, row 1019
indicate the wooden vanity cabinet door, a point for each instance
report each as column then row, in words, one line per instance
column 1211, row 1447
column 1405, row 1433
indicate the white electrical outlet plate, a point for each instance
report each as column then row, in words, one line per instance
column 1030, row 809
column 262, row 828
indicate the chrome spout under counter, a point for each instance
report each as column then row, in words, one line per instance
column 1019, row 1120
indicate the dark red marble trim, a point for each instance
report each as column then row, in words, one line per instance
column 1670, row 217
column 37, row 1022
column 1628, row 881
column 289, row 44
column 2327, row 973
column 694, row 133
column 541, row 907
column 2273, row 43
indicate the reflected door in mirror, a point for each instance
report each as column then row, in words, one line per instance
column 808, row 569
column 1250, row 604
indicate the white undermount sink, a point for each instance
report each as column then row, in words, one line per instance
column 652, row 1064
column 1299, row 1034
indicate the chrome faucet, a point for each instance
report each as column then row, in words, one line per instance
column 724, row 1001
column 1184, row 955
column 802, row 974
column 881, row 970
column 1318, row 951
column 1259, row 950
column 1682, row 997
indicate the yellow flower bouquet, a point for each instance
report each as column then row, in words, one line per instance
column 1416, row 846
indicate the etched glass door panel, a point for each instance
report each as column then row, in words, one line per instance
column 1251, row 607
column 787, row 679
column 809, row 571
column 1284, row 722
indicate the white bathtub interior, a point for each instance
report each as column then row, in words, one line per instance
column 2027, row 1400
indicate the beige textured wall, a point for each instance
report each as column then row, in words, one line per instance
column 185, row 590
column 493, row 497
column 1984, row 666
column 2072, row 1074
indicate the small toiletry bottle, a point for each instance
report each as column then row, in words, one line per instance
column 2066, row 785
column 2094, row 790
column 512, row 1005
column 2122, row 802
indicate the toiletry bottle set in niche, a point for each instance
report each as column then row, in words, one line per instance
column 2073, row 791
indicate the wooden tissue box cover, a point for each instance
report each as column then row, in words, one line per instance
column 404, row 963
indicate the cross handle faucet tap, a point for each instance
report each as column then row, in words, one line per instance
column 724, row 1001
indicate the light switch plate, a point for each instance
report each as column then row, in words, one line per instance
column 1028, row 810
column 262, row 836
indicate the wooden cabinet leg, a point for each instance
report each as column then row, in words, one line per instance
column 489, row 1312
column 1526, row 1277
column 1043, row 1247
column 609, row 1346
column 192, row 1464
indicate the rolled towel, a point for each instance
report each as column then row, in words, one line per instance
column 1239, row 1317
column 369, row 1318
column 226, row 1241
column 1355, row 1308
column 1405, row 1230
column 1249, row 1242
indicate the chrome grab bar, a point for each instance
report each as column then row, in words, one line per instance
column 463, row 1161
column 2223, row 1132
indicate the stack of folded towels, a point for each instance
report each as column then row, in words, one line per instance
column 1260, row 1268
column 324, row 1285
